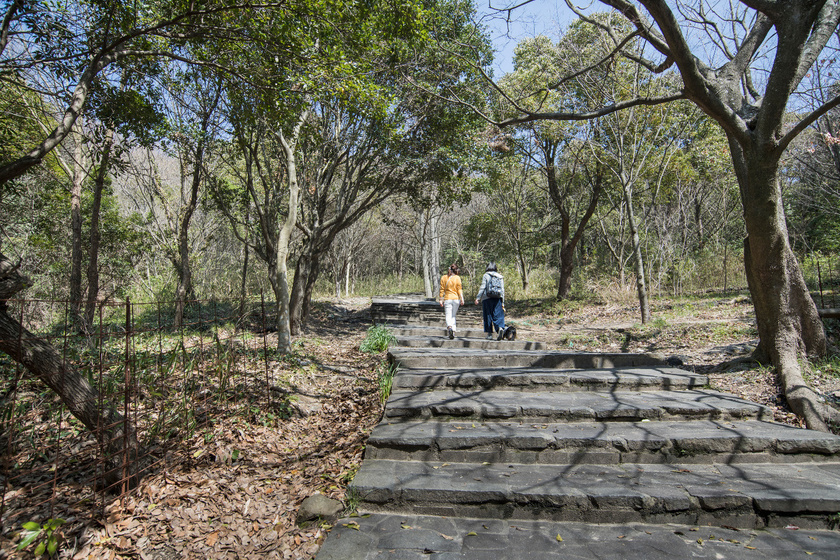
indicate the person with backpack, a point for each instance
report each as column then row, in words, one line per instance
column 451, row 298
column 491, row 294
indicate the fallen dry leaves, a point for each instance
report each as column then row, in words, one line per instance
column 233, row 489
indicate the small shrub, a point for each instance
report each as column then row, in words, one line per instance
column 377, row 339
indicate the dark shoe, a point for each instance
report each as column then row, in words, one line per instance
column 451, row 334
column 501, row 334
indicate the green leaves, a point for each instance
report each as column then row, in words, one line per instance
column 33, row 531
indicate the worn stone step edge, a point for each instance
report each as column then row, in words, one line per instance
column 700, row 441
column 464, row 331
column 624, row 406
column 448, row 358
column 376, row 536
column 744, row 496
column 542, row 379
column 463, row 342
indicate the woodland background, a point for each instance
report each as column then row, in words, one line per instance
column 182, row 186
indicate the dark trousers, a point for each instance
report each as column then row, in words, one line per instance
column 494, row 315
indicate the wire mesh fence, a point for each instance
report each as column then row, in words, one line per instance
column 128, row 386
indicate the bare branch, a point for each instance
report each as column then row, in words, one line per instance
column 808, row 121
column 14, row 7
column 559, row 116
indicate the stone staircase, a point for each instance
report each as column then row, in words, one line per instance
column 492, row 450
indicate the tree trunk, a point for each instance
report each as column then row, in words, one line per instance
column 426, row 255
column 523, row 267
column 76, row 238
column 567, row 266
column 567, row 244
column 95, row 234
column 116, row 437
column 637, row 253
column 243, row 295
column 786, row 315
column 347, row 264
column 303, row 269
column 279, row 273
column 184, row 291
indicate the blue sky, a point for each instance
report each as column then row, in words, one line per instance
column 534, row 18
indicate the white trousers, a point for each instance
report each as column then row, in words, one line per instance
column 450, row 307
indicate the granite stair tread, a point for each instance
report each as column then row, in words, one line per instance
column 480, row 358
column 744, row 495
column 418, row 537
column 540, row 379
column 601, row 442
column 572, row 406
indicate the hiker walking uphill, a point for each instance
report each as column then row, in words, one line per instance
column 451, row 298
column 491, row 294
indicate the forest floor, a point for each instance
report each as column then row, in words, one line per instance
column 236, row 489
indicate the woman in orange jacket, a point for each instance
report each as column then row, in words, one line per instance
column 451, row 298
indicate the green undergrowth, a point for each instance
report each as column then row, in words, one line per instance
column 377, row 339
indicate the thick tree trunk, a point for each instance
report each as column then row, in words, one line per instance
column 786, row 315
column 567, row 266
column 116, row 437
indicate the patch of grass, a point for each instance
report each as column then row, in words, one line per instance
column 377, row 339
column 352, row 500
column 385, row 378
column 824, row 367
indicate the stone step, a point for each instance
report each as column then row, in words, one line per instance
column 544, row 379
column 442, row 341
column 628, row 406
column 468, row 358
column 381, row 536
column 743, row 496
column 396, row 311
column 464, row 330
column 698, row 441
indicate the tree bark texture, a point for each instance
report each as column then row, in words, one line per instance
column 786, row 316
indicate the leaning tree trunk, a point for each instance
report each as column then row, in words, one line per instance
column 116, row 437
column 786, row 315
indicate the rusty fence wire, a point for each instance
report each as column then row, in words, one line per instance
column 154, row 387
